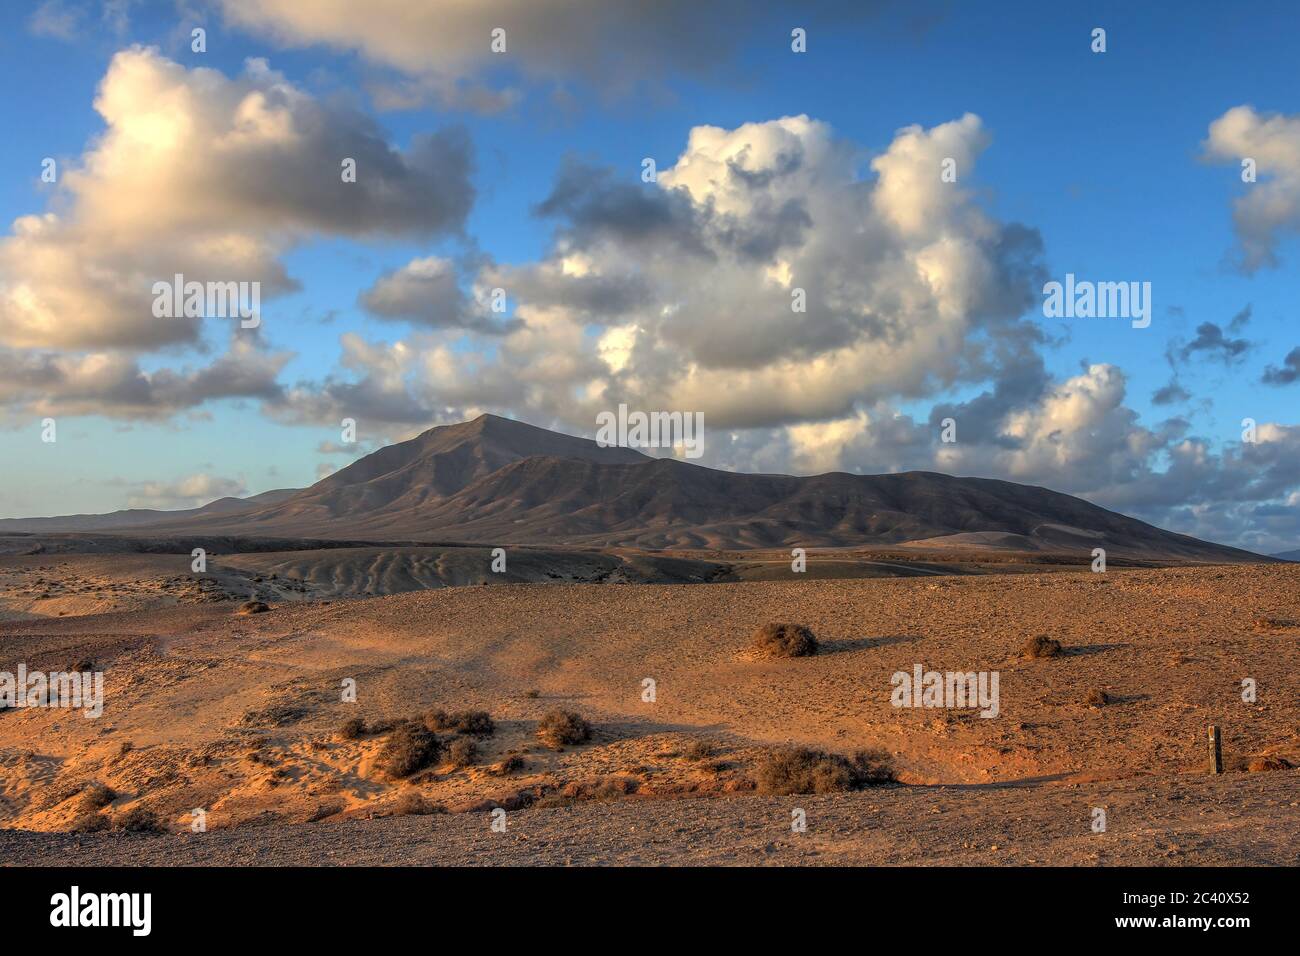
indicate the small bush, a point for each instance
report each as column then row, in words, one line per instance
column 253, row 607
column 477, row 723
column 512, row 764
column 413, row 804
column 462, row 753
column 785, row 640
column 699, row 750
column 802, row 770
column 603, row 788
column 560, row 728
column 96, row 796
column 1041, row 645
column 410, row 748
column 533, row 694
column 1097, row 698
column 352, row 729
column 139, row 820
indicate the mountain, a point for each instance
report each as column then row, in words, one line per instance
column 1289, row 555
column 142, row 517
column 493, row 480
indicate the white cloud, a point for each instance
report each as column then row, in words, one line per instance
column 214, row 178
column 1269, row 207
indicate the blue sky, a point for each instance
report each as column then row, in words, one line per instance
column 1100, row 154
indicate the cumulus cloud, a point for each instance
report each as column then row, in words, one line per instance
column 1270, row 207
column 114, row 385
column 210, row 177
column 678, row 295
column 682, row 293
column 427, row 292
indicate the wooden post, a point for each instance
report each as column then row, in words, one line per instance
column 1216, row 750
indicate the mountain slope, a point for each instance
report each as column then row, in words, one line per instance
column 493, row 480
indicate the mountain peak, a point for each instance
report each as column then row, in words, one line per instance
column 496, row 479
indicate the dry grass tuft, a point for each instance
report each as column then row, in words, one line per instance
column 477, row 723
column 462, row 753
column 511, row 764
column 699, row 750
column 139, row 820
column 1097, row 698
column 785, row 640
column 1041, row 645
column 352, row 729
column 413, row 804
column 253, row 607
column 562, row 728
column 96, row 796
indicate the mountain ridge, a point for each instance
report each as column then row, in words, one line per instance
column 495, row 480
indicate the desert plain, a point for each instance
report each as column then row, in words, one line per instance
column 245, row 716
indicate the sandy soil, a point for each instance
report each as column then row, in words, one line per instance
column 239, row 715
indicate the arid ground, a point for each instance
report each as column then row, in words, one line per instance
column 242, row 715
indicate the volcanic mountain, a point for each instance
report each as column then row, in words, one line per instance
column 494, row 480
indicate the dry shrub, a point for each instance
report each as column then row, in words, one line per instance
column 802, row 770
column 699, row 750
column 1097, row 698
column 560, row 728
column 533, row 694
column 1265, row 764
column 603, row 788
column 462, row 753
column 139, row 820
column 94, row 796
column 785, row 640
column 253, row 607
column 410, row 748
column 413, row 804
column 352, row 729
column 1040, row 645
column 512, row 764
column 477, row 723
